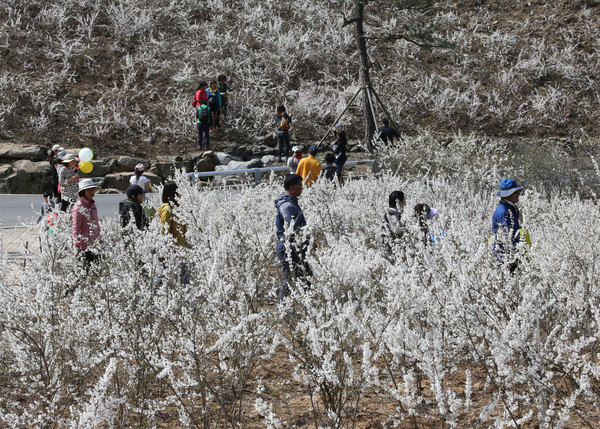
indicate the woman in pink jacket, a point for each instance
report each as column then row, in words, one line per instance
column 86, row 228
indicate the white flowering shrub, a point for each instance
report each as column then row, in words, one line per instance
column 420, row 336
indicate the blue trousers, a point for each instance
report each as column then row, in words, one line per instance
column 203, row 136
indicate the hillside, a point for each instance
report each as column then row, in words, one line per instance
column 120, row 76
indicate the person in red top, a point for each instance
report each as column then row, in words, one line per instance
column 200, row 94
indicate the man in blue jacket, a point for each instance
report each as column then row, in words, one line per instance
column 290, row 221
column 506, row 222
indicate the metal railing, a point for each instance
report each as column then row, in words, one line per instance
column 257, row 172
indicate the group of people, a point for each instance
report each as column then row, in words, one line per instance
column 292, row 242
column 210, row 104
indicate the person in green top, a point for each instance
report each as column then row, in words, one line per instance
column 203, row 123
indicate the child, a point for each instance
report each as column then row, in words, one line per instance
column 214, row 102
column 331, row 172
column 47, row 205
column 203, row 119
column 224, row 88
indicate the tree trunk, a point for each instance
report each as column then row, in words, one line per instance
column 364, row 74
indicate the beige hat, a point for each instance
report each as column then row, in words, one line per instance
column 87, row 184
column 68, row 158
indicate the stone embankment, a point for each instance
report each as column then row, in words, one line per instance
column 24, row 169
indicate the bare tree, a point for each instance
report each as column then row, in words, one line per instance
column 418, row 36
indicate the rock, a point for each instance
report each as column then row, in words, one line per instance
column 230, row 150
column 154, row 179
column 101, row 167
column 255, row 163
column 118, row 181
column 269, row 140
column 223, row 167
column 268, row 159
column 223, row 158
column 40, row 169
column 203, row 164
column 243, row 152
column 128, row 163
column 258, row 150
column 167, row 169
column 10, row 184
column 237, row 165
column 5, row 171
column 11, row 151
column 169, row 158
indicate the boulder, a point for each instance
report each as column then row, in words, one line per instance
column 223, row 158
column 154, row 179
column 230, row 150
column 169, row 158
column 167, row 169
column 268, row 159
column 128, row 163
column 118, row 181
column 20, row 182
column 254, row 163
column 34, row 168
column 223, row 167
column 10, row 184
column 5, row 171
column 100, row 168
column 243, row 152
column 269, row 140
column 203, row 164
column 237, row 165
column 11, row 151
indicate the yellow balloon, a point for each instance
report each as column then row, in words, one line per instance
column 86, row 167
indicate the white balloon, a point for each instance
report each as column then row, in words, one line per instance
column 86, row 154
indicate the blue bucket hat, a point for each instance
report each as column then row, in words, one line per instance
column 313, row 150
column 508, row 187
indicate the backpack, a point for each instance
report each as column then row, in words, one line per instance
column 285, row 123
column 203, row 114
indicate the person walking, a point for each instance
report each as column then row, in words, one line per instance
column 283, row 121
column 331, row 172
column 339, row 149
column 203, row 124
column 291, row 247
column 506, row 222
column 86, row 228
column 214, row 102
column 224, row 89
column 54, row 160
column 170, row 224
column 309, row 168
column 68, row 180
column 423, row 213
column 393, row 227
column 131, row 208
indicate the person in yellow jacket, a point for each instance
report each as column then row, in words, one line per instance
column 309, row 168
column 167, row 219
